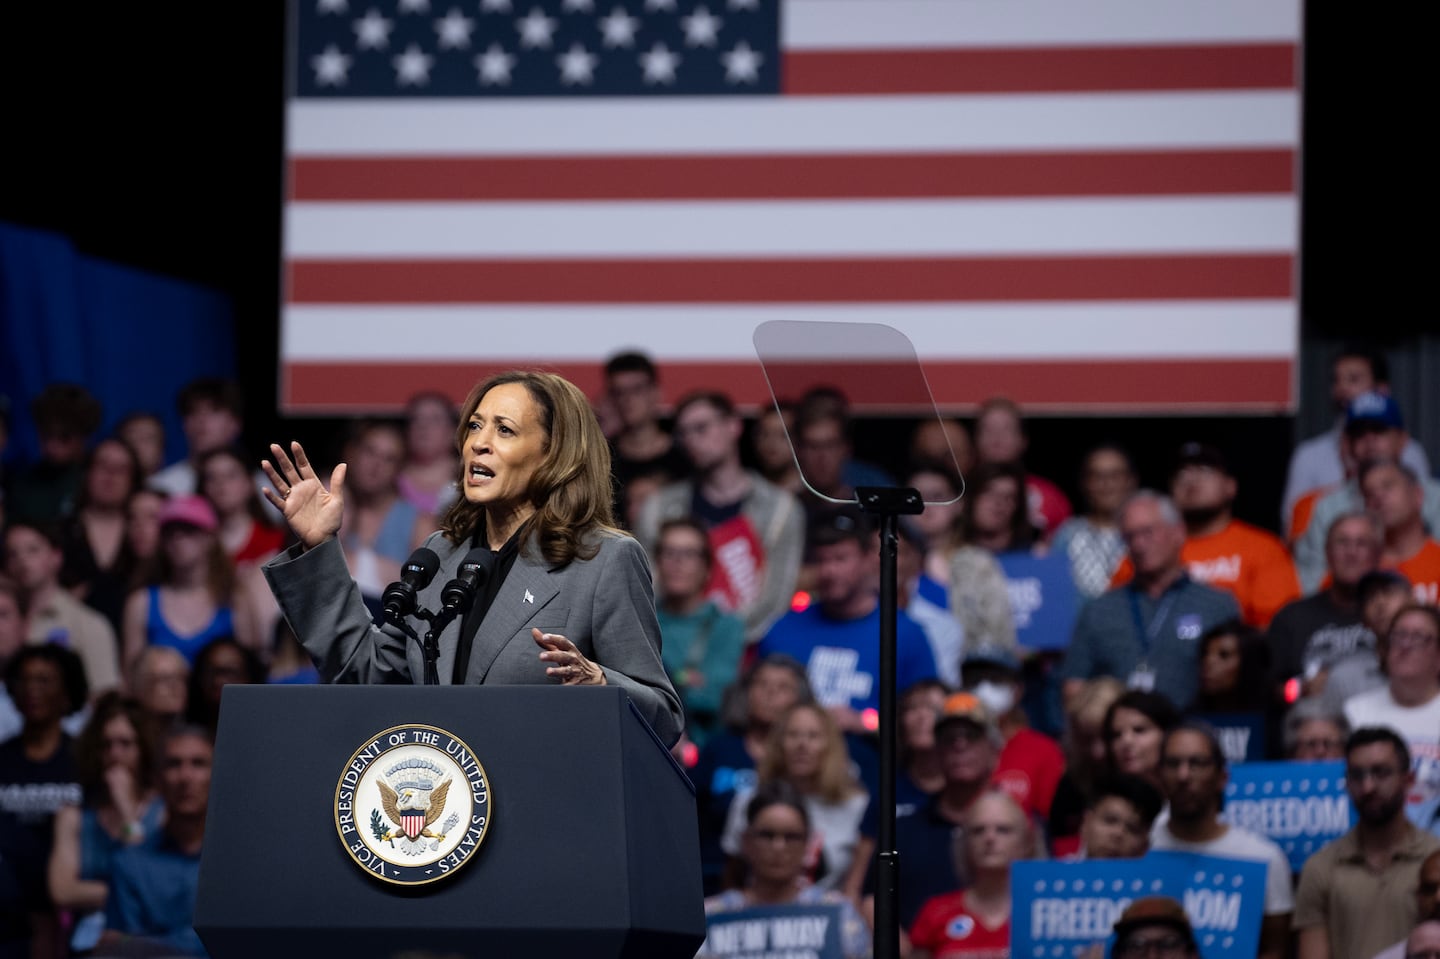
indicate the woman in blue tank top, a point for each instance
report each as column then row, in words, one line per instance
column 191, row 599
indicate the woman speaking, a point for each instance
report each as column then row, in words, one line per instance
column 569, row 599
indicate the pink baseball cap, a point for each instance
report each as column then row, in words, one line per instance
column 191, row 510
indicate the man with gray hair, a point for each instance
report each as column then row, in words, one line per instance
column 1146, row 632
column 1312, row 634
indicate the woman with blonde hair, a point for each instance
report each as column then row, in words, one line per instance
column 1084, row 744
column 807, row 751
column 572, row 596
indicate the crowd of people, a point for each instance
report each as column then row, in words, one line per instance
column 131, row 593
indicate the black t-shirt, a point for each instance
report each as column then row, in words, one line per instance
column 1314, row 633
column 30, row 794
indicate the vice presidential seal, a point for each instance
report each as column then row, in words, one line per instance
column 412, row 805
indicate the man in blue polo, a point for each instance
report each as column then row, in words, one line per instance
column 838, row 636
column 1147, row 632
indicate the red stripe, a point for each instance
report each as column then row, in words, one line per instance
column 968, row 279
column 1120, row 386
column 1042, row 70
column 792, row 177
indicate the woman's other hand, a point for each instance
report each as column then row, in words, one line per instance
column 566, row 663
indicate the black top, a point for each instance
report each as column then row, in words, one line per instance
column 484, row 597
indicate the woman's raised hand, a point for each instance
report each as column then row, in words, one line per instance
column 313, row 512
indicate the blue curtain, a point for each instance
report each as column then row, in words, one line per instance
column 132, row 338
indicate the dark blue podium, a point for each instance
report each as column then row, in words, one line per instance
column 591, row 847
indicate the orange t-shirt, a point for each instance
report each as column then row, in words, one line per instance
column 1423, row 572
column 1243, row 559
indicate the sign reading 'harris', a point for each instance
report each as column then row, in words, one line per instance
column 412, row 805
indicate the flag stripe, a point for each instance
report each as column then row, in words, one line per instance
column 975, row 331
column 910, row 227
column 815, row 25
column 1174, row 385
column 1043, row 70
column 791, row 280
column 812, row 176
column 687, row 126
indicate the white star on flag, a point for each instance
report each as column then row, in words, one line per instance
column 577, row 65
column 495, row 66
column 372, row 31
column 659, row 4
column 619, row 28
column 536, row 29
column 495, row 6
column 414, row 6
column 579, row 6
column 659, row 64
column 744, row 4
column 701, row 28
column 331, row 6
column 412, row 68
column 454, row 29
column 331, row 67
column 742, row 64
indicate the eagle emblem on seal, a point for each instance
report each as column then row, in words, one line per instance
column 413, row 801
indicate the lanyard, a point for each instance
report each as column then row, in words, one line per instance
column 1148, row 634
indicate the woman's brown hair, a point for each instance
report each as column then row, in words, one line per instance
column 570, row 489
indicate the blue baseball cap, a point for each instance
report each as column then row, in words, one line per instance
column 1372, row 410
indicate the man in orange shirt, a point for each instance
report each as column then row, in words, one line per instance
column 1222, row 551
column 1395, row 496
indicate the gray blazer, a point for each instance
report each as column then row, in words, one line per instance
column 605, row 606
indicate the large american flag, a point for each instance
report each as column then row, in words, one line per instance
column 1085, row 205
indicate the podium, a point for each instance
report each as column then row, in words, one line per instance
column 591, row 846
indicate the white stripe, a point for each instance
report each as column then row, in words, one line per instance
column 759, row 229
column 695, row 126
column 483, row 334
column 860, row 24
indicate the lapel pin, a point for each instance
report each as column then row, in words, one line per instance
column 529, row 597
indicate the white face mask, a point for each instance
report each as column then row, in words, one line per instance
column 999, row 698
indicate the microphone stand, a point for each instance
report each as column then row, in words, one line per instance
column 431, row 645
column 888, row 503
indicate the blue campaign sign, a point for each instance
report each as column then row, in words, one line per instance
column 1061, row 910
column 1300, row 806
column 1242, row 735
column 1043, row 599
column 801, row 931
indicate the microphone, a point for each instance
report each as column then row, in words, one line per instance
column 399, row 598
column 459, row 594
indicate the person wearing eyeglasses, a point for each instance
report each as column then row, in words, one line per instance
column 1154, row 927
column 1193, row 775
column 773, row 846
column 1409, row 702
column 1357, row 894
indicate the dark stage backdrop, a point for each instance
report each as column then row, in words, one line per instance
column 150, row 137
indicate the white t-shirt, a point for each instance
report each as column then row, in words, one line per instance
column 1239, row 843
column 1419, row 726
